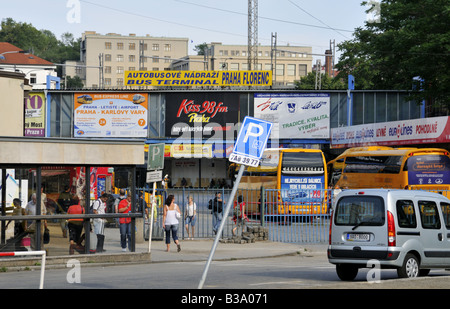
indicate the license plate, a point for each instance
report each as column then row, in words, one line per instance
column 358, row 237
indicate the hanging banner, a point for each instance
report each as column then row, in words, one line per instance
column 198, row 78
column 405, row 132
column 295, row 115
column 110, row 115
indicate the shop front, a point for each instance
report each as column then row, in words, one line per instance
column 43, row 178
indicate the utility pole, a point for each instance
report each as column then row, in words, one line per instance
column 273, row 56
column 252, row 34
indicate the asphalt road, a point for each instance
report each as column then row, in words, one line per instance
column 286, row 272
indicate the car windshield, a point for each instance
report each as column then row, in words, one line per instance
column 360, row 210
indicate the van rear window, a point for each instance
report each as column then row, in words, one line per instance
column 360, row 210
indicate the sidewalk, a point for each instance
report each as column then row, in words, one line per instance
column 191, row 251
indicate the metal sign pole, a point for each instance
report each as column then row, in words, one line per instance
column 150, row 218
column 219, row 232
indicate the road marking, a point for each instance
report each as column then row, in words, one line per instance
column 277, row 282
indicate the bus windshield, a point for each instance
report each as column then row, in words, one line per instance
column 302, row 178
column 302, row 163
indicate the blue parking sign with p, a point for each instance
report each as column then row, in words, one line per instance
column 251, row 141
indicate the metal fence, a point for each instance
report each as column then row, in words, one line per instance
column 262, row 209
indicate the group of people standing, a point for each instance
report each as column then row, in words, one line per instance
column 172, row 214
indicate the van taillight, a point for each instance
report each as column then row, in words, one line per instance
column 331, row 224
column 391, row 229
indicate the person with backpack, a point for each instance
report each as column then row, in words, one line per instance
column 217, row 208
column 99, row 208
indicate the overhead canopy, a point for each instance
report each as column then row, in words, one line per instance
column 16, row 150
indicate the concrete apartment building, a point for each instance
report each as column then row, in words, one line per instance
column 105, row 58
column 289, row 62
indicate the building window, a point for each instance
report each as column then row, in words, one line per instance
column 290, row 69
column 234, row 67
column 280, row 70
column 132, row 46
column 167, row 47
column 302, row 69
column 107, row 81
column 119, row 70
column 131, row 58
column 131, row 68
column 155, row 47
column 108, row 45
column 119, row 45
column 33, row 78
column 107, row 70
column 119, row 58
column 107, row 57
column 119, row 82
column 167, row 59
column 155, row 59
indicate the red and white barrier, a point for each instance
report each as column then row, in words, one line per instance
column 28, row 253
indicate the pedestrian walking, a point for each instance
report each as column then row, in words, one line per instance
column 190, row 216
column 171, row 215
column 99, row 208
column 217, row 209
column 125, row 223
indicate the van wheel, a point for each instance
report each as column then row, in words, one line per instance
column 346, row 272
column 410, row 267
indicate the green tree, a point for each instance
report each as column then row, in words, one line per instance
column 410, row 39
column 201, row 48
column 42, row 43
column 308, row 82
column 74, row 82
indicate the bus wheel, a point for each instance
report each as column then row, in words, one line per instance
column 410, row 267
column 346, row 272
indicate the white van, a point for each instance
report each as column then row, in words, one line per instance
column 407, row 230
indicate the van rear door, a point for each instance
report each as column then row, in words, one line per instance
column 360, row 227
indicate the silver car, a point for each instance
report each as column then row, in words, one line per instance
column 402, row 229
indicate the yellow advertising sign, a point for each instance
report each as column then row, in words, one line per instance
column 198, row 78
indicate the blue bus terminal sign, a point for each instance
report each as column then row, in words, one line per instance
column 251, row 141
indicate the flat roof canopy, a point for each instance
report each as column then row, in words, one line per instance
column 61, row 151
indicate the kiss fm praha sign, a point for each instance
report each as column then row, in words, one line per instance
column 198, row 78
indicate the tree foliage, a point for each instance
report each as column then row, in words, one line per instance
column 42, row 43
column 308, row 82
column 410, row 39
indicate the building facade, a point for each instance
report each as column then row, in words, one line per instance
column 105, row 58
column 35, row 69
column 287, row 63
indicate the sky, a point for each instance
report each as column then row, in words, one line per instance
column 296, row 22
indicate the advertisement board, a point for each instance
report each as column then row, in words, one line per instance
column 110, row 115
column 295, row 115
column 405, row 132
column 198, row 78
column 201, row 115
column 35, row 114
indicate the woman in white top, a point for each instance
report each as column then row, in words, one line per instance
column 190, row 215
column 171, row 215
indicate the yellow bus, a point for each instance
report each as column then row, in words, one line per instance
column 396, row 168
column 295, row 180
